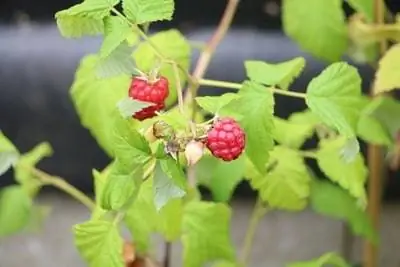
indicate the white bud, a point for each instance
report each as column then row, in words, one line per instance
column 194, row 152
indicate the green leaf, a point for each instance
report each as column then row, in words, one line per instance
column 99, row 243
column 330, row 200
column 29, row 160
column 219, row 176
column 129, row 106
column 118, row 62
column 281, row 74
column 256, row 105
column 8, row 154
column 121, row 186
column 169, row 182
column 130, row 147
column 85, row 18
column 387, row 78
column 328, row 259
column 143, row 219
column 292, row 133
column 116, row 30
column 206, row 235
column 382, row 109
column 173, row 45
column 15, row 210
column 365, row 7
column 319, row 27
column 100, row 180
column 142, row 11
column 214, row 104
column 349, row 175
column 287, row 183
column 96, row 100
column 335, row 96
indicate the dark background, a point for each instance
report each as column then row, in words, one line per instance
column 37, row 68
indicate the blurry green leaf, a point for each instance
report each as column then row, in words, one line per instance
column 100, row 180
column 319, row 27
column 291, row 133
column 256, row 105
column 169, row 182
column 383, row 109
column 142, row 11
column 331, row 200
column 281, row 74
column 96, row 100
column 37, row 218
column 8, row 154
column 219, row 176
column 206, row 235
column 328, row 259
column 15, row 210
column 99, row 243
column 214, row 104
column 387, row 77
column 365, row 7
column 287, row 182
column 29, row 160
column 85, row 18
column 173, row 45
column 349, row 175
column 129, row 106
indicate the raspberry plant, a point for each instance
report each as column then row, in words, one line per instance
column 164, row 141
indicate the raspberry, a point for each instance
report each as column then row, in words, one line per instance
column 153, row 92
column 226, row 140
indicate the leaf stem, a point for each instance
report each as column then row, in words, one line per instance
column 61, row 184
column 258, row 212
column 178, row 88
column 308, row 154
column 230, row 85
column 167, row 254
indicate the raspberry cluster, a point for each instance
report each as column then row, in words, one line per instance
column 153, row 92
column 226, row 140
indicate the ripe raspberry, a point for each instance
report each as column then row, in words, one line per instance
column 226, row 140
column 143, row 90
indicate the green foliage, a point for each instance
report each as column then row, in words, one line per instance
column 220, row 177
column 328, row 259
column 319, row 27
column 382, row 109
column 387, row 77
column 206, row 233
column 85, row 18
column 173, row 45
column 99, row 243
column 281, row 74
column 96, row 100
column 286, row 185
column 169, row 182
column 129, row 106
column 349, row 175
column 15, row 210
column 142, row 11
column 365, row 7
column 214, row 104
column 333, row 201
column 8, row 154
column 27, row 161
column 256, row 106
column 335, row 96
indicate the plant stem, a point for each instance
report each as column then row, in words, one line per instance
column 203, row 63
column 375, row 163
column 178, row 88
column 167, row 254
column 258, row 212
column 61, row 184
column 231, row 85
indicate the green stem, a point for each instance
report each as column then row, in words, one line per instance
column 61, row 184
column 259, row 211
column 230, row 85
column 308, row 154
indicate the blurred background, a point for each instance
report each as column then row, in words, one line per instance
column 37, row 68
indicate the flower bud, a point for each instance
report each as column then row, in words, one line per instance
column 194, row 152
column 149, row 134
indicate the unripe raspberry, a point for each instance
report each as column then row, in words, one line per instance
column 226, row 140
column 194, row 152
column 154, row 92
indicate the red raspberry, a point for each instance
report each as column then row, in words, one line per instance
column 155, row 92
column 226, row 140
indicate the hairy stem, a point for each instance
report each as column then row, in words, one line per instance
column 61, row 184
column 230, row 85
column 258, row 212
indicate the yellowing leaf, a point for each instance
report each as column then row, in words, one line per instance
column 319, row 27
column 281, row 74
column 387, row 76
